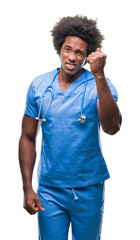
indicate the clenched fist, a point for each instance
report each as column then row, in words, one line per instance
column 32, row 202
column 97, row 61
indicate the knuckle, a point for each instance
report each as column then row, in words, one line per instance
column 35, row 212
column 37, row 199
column 29, row 211
column 29, row 208
column 101, row 55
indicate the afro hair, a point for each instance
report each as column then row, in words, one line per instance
column 78, row 26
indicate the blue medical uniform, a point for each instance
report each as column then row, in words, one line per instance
column 71, row 157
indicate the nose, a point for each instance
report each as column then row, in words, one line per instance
column 72, row 57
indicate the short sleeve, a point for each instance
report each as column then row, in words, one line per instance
column 112, row 89
column 31, row 107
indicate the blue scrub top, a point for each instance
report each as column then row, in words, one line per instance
column 71, row 154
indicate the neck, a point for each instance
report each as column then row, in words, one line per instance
column 68, row 79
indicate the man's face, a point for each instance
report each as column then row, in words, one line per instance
column 73, row 55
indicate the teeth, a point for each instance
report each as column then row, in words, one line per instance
column 70, row 64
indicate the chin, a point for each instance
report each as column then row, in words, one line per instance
column 71, row 72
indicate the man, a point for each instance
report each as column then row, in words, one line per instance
column 71, row 103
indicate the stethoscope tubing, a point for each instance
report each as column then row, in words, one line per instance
column 50, row 88
column 82, row 102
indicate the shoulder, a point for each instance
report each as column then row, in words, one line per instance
column 43, row 78
column 90, row 77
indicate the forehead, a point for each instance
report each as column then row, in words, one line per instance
column 75, row 43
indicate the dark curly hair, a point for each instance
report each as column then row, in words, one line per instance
column 78, row 26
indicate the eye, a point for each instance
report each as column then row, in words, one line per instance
column 80, row 53
column 67, row 49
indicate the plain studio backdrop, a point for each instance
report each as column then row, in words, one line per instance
column 26, row 52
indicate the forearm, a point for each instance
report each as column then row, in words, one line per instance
column 27, row 156
column 109, row 113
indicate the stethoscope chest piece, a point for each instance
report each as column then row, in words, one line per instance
column 82, row 118
column 40, row 119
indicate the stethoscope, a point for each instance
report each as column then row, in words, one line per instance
column 50, row 88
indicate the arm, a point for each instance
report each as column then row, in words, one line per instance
column 27, row 156
column 109, row 114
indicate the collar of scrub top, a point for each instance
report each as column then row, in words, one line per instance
column 82, row 117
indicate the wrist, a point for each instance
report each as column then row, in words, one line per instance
column 101, row 80
column 99, row 75
column 27, row 188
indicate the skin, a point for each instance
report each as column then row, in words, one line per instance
column 73, row 52
column 109, row 114
column 27, row 156
column 72, row 56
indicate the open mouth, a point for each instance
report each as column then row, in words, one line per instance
column 70, row 66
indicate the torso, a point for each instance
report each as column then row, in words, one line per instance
column 65, row 84
column 63, row 87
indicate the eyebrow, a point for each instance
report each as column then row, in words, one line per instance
column 77, row 50
column 68, row 46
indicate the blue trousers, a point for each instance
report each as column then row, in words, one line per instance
column 82, row 207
